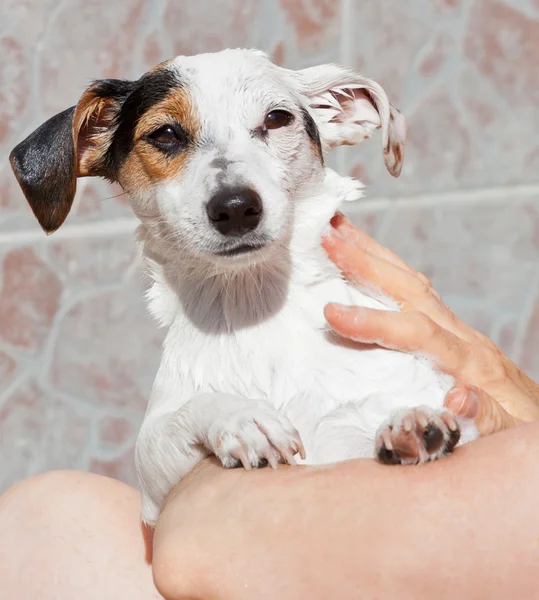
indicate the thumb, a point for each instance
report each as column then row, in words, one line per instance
column 474, row 403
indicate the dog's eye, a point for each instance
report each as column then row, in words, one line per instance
column 278, row 118
column 165, row 136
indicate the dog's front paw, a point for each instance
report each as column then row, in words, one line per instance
column 253, row 435
column 417, row 435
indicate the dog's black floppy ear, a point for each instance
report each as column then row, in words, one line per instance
column 44, row 165
column 73, row 143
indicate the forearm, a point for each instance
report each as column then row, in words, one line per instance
column 359, row 529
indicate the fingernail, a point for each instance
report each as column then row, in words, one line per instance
column 463, row 401
column 473, row 404
column 342, row 307
column 455, row 399
column 337, row 219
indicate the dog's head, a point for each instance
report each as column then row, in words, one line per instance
column 213, row 149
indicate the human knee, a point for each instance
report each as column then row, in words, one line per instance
column 54, row 496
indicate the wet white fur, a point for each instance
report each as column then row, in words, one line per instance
column 247, row 339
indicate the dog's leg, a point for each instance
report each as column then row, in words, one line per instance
column 411, row 436
column 238, row 431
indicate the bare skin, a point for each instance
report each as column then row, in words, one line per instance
column 442, row 530
column 73, row 536
column 449, row 529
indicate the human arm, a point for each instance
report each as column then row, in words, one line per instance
column 463, row 527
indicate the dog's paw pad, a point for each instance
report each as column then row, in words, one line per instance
column 416, row 436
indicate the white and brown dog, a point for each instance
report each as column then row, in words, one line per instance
column 222, row 156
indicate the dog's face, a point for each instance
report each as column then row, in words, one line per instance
column 214, row 149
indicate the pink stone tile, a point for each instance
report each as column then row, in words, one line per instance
column 502, row 42
column 86, row 41
column 315, row 22
column 14, row 85
column 12, row 200
column 29, row 299
column 291, row 32
column 447, row 5
column 153, row 50
column 481, row 256
column 193, row 28
column 278, row 54
column 467, row 83
column 438, row 146
column 403, row 47
column 437, row 155
column 121, row 468
column 499, row 91
column 39, row 432
column 437, row 54
column 94, row 261
column 392, row 33
column 115, row 431
column 529, row 354
column 26, row 20
column 367, row 220
column 360, row 172
column 503, row 148
column 8, row 368
column 107, row 349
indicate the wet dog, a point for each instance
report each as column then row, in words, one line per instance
column 223, row 158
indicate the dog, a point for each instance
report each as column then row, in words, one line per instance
column 223, row 158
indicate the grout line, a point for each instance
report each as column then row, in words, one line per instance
column 346, row 46
column 93, row 230
column 522, row 193
column 345, row 58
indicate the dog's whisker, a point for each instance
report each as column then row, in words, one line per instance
column 111, row 197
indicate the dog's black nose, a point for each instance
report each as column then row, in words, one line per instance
column 235, row 211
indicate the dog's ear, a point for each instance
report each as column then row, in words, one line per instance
column 348, row 108
column 71, row 144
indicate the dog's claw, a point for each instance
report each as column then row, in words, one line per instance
column 301, row 448
column 422, row 420
column 269, row 455
column 255, row 436
column 387, row 440
column 289, row 458
column 241, row 455
column 449, row 420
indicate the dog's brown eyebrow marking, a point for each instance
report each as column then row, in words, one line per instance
column 145, row 164
column 151, row 89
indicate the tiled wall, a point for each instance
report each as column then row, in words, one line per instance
column 78, row 352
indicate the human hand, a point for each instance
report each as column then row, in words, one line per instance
column 491, row 389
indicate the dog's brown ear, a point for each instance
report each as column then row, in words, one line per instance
column 71, row 144
column 349, row 108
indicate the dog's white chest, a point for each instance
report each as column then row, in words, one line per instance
column 291, row 360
